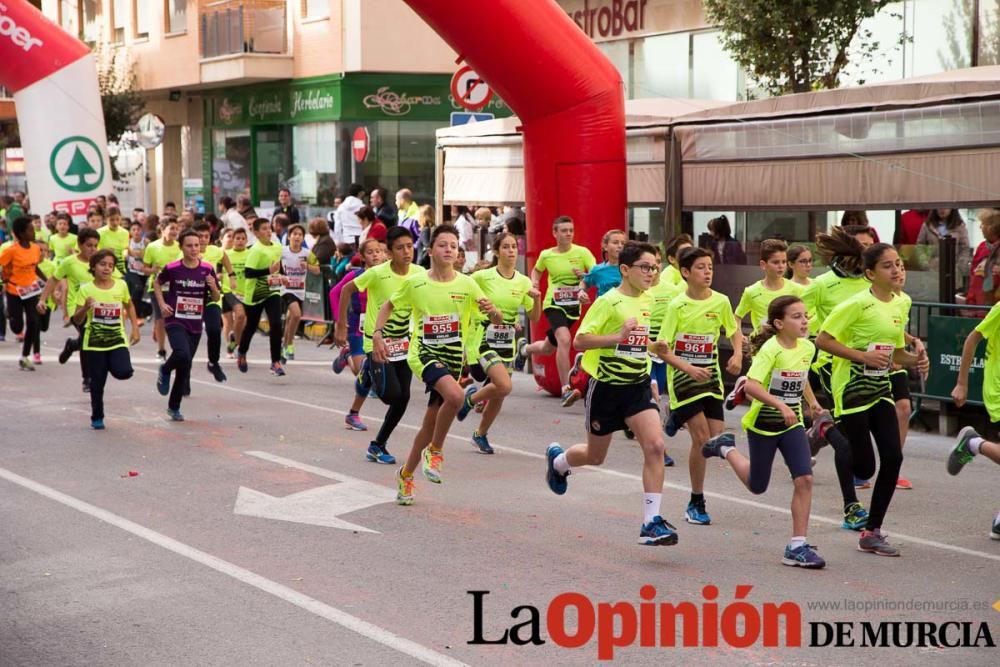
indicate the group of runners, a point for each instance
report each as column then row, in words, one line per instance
column 831, row 353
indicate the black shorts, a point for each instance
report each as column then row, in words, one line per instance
column 433, row 372
column 230, row 301
column 556, row 318
column 900, row 381
column 607, row 406
column 289, row 299
column 710, row 406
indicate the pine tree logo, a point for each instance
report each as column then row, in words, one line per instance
column 77, row 164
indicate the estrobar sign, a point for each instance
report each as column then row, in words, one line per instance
column 603, row 19
column 20, row 36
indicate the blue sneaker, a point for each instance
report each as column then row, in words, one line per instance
column 163, row 381
column 379, row 454
column 803, row 556
column 467, row 406
column 175, row 415
column 667, row 461
column 696, row 513
column 277, row 369
column 862, row 483
column 855, row 517
column 482, row 443
column 713, row 446
column 670, row 426
column 340, row 363
column 555, row 479
column 354, row 423
column 97, row 424
column 657, row 533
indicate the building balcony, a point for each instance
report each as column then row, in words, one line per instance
column 243, row 41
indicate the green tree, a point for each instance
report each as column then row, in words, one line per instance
column 120, row 99
column 794, row 46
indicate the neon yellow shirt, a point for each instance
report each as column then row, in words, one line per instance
column 509, row 295
column 380, row 283
column 62, row 246
column 238, row 259
column 116, row 240
column 261, row 256
column 105, row 328
column 562, row 292
column 783, row 373
column 756, row 299
column 628, row 362
column 990, row 330
column 159, row 255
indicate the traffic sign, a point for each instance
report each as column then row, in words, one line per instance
column 469, row 90
column 360, row 144
column 467, row 118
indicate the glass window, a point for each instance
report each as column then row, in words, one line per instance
column 119, row 15
column 90, row 26
column 315, row 8
column 176, row 16
column 314, row 164
column 942, row 36
column 662, row 67
column 273, row 148
column 618, row 54
column 648, row 224
column 230, row 163
column 714, row 74
column 69, row 16
column 142, row 10
column 989, row 33
column 886, row 63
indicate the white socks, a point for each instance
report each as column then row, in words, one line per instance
column 650, row 506
column 561, row 464
column 725, row 449
column 796, row 542
column 974, row 444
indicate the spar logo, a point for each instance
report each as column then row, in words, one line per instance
column 20, row 36
column 72, row 164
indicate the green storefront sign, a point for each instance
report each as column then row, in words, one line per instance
column 945, row 339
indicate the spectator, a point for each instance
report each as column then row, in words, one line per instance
column 726, row 249
column 384, row 210
column 855, row 218
column 425, row 218
column 169, row 209
column 466, row 225
column 245, row 207
column 346, row 228
column 371, row 226
column 286, row 207
column 323, row 248
column 947, row 222
column 405, row 204
column 231, row 218
column 909, row 226
column 279, row 227
column 984, row 278
column 484, row 218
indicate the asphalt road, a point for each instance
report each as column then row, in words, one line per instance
column 255, row 533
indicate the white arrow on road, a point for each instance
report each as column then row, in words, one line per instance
column 320, row 506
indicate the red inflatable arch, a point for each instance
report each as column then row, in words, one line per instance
column 570, row 100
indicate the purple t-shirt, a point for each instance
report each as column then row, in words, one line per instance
column 188, row 294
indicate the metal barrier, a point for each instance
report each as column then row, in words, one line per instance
column 316, row 306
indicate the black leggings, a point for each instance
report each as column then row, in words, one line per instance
column 213, row 332
column 23, row 316
column 272, row 306
column 395, row 393
column 3, row 317
column 77, row 346
column 118, row 363
column 880, row 421
column 845, row 476
column 183, row 346
column 43, row 325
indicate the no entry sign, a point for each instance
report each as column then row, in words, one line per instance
column 469, row 90
column 360, row 144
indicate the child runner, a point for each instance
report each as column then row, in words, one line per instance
column 865, row 334
column 672, row 274
column 192, row 284
column 135, row 277
column 102, row 308
column 391, row 373
column 777, row 381
column 24, row 284
column 233, row 313
column 294, row 258
column 491, row 348
column 662, row 292
column 444, row 306
column 63, row 243
column 262, row 294
column 800, row 264
column 214, row 256
column 969, row 444
column 900, row 377
column 157, row 255
column 115, row 237
column 689, row 343
column 565, row 264
column 614, row 335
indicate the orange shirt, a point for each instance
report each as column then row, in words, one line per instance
column 19, row 265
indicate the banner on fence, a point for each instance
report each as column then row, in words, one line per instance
column 945, row 338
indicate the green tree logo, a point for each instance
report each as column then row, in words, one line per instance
column 78, row 174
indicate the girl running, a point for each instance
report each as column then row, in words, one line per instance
column 234, row 316
column 24, row 284
column 262, row 294
column 800, row 264
column 294, row 259
column 103, row 307
column 777, row 382
column 672, row 274
column 491, row 349
column 865, row 335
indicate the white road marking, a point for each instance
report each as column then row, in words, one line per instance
column 312, row 605
column 264, row 362
column 319, row 506
column 624, row 475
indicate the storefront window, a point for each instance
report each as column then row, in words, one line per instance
column 648, row 224
column 314, row 161
column 273, row 147
column 662, row 66
column 230, row 163
column 714, row 74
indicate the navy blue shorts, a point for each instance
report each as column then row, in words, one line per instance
column 794, row 447
column 356, row 345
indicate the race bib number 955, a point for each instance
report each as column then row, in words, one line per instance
column 441, row 329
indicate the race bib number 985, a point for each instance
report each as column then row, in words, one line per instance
column 787, row 386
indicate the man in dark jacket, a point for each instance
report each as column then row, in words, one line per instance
column 384, row 209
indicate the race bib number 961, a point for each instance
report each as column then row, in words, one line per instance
column 697, row 349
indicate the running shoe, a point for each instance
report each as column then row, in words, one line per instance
column 961, row 454
column 577, row 362
column 36, row 359
column 670, row 425
column 555, row 479
column 3, row 339
column 354, row 423
column 803, row 556
column 657, row 533
column 379, row 454
column 569, row 396
column 431, row 464
column 520, row 359
column 667, row 461
column 175, row 415
column 696, row 513
column 629, row 434
column 163, row 381
column 86, row 386
column 340, row 363
column 277, row 369
column 903, row 483
column 216, row 371
column 241, row 363
column 25, row 364
column 231, row 346
column 713, row 446
column 404, row 488
column 862, row 483
column 67, row 351
column 161, row 355
column 467, row 405
column 855, row 517
column 873, row 542
column 482, row 443
column 290, row 352
column 97, row 424
column 995, row 532
column 817, row 432
column 737, row 396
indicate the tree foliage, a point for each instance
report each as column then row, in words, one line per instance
column 794, row 46
column 120, row 100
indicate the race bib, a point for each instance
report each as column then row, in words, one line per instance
column 441, row 329
column 879, row 372
column 566, row 296
column 697, row 349
column 189, row 308
column 107, row 313
column 274, row 281
column 296, row 281
column 635, row 345
column 397, row 348
column 500, row 336
column 32, row 290
column 787, row 386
